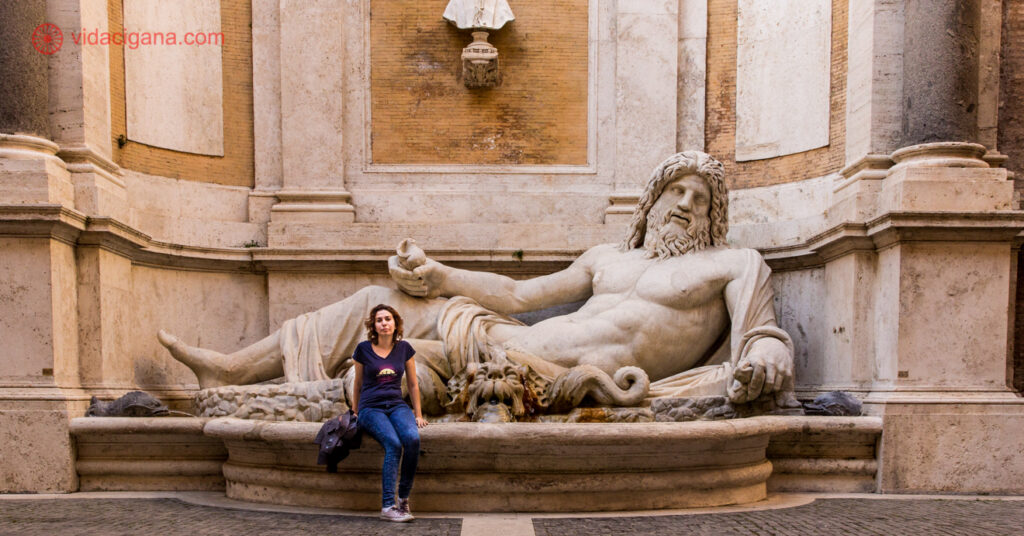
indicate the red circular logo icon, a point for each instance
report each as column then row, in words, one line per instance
column 47, row 38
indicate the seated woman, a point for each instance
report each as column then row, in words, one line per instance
column 380, row 363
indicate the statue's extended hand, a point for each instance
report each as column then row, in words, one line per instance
column 767, row 368
column 414, row 273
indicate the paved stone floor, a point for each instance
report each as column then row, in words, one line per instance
column 825, row 516
column 173, row 517
column 209, row 514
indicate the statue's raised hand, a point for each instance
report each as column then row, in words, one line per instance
column 414, row 273
column 766, row 369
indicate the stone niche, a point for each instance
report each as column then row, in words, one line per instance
column 422, row 113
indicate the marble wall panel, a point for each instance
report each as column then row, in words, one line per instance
column 105, row 323
column 37, row 449
column 266, row 92
column 468, row 207
column 782, row 77
column 952, row 448
column 312, row 84
column 64, row 308
column 953, row 314
column 27, row 336
column 799, row 295
column 220, row 311
column 295, row 294
column 646, row 80
column 174, row 93
column 849, row 322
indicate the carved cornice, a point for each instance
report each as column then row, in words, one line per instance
column 42, row 221
column 314, row 196
column 893, row 228
column 83, row 159
column 74, row 228
column 869, row 167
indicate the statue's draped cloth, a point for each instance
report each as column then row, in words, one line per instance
column 314, row 339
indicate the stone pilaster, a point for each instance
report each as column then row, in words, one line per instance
column 312, row 87
column 39, row 377
column 266, row 94
column 646, row 83
column 79, row 106
column 943, row 297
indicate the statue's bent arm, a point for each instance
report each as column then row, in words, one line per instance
column 508, row 296
column 768, row 365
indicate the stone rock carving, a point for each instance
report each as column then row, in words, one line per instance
column 608, row 415
column 500, row 391
column 628, row 388
column 133, row 404
column 489, row 392
column 479, row 59
column 302, row 401
column 834, row 404
column 672, row 300
column 478, row 14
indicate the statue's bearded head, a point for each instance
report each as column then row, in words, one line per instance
column 684, row 207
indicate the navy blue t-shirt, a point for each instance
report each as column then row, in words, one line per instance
column 382, row 377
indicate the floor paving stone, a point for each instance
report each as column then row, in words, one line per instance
column 172, row 517
column 832, row 517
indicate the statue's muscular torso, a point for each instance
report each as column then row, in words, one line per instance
column 660, row 315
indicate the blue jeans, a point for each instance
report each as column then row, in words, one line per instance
column 395, row 429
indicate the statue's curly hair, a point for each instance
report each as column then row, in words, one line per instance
column 672, row 168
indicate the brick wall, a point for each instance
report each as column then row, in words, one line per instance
column 422, row 113
column 236, row 167
column 720, row 123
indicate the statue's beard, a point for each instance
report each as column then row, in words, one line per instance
column 663, row 240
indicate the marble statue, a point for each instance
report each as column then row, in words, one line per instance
column 672, row 311
column 132, row 404
column 478, row 14
column 480, row 65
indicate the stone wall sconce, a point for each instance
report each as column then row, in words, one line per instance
column 480, row 58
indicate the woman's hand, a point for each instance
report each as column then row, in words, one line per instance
column 421, row 422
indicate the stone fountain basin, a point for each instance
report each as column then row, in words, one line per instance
column 538, row 467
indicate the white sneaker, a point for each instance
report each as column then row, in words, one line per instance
column 403, row 507
column 394, row 515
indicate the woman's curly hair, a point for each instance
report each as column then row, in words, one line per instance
column 371, row 332
column 672, row 168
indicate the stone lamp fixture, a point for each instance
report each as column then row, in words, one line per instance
column 480, row 58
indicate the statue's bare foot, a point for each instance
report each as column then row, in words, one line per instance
column 203, row 362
